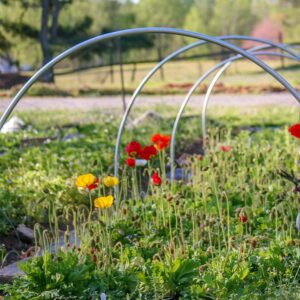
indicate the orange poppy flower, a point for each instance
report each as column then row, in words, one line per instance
column 161, row 141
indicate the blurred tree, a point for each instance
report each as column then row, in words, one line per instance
column 157, row 13
column 233, row 17
column 45, row 29
column 199, row 17
column 33, row 31
column 161, row 13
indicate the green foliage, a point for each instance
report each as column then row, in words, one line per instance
column 63, row 276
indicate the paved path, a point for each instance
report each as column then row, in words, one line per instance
column 112, row 102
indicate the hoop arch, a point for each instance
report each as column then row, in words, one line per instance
column 223, row 65
column 128, row 32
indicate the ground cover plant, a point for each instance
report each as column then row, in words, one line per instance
column 227, row 230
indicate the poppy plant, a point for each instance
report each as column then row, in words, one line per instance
column 130, row 162
column 133, row 149
column 161, row 141
column 148, row 152
column 110, row 181
column 295, row 130
column 104, row 202
column 156, row 179
column 87, row 181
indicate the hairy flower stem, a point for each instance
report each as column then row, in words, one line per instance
column 170, row 221
column 219, row 206
column 91, row 207
column 135, row 191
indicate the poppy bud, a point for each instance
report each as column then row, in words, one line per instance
column 243, row 218
column 291, row 243
column 171, row 248
column 156, row 179
column 94, row 258
column 273, row 214
column 225, row 148
column 169, row 197
column 130, row 162
column 242, row 248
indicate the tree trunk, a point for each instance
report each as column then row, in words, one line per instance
column 160, row 56
column 47, row 54
column 55, row 14
column 121, row 73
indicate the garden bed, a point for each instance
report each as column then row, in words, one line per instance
column 227, row 232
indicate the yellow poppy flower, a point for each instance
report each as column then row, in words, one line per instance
column 104, row 202
column 84, row 181
column 110, row 181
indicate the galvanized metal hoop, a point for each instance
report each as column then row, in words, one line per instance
column 164, row 61
column 224, row 64
column 121, row 33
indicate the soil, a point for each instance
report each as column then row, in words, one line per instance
column 15, row 248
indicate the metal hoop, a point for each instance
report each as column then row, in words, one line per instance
column 126, row 32
column 168, row 58
column 224, row 64
column 212, row 85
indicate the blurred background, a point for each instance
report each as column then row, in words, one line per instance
column 32, row 32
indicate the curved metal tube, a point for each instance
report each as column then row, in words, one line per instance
column 126, row 32
column 224, row 64
column 205, row 102
column 212, row 85
column 270, row 44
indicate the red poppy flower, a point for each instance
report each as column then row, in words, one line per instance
column 133, row 149
column 130, row 162
column 94, row 185
column 161, row 141
column 295, row 130
column 243, row 218
column 156, row 179
column 148, row 152
column 225, row 148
